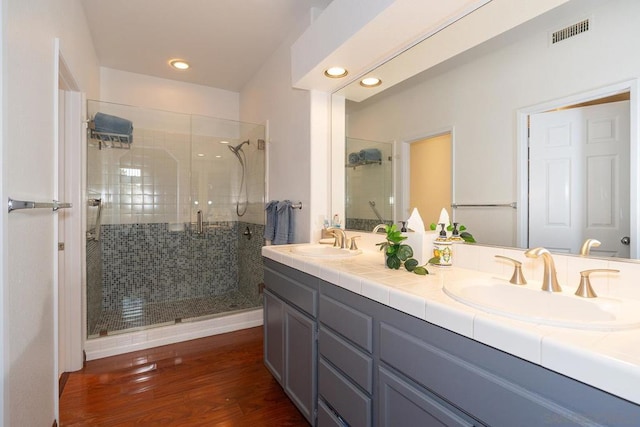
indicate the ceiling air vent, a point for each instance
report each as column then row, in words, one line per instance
column 570, row 31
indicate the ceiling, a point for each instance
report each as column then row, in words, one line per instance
column 225, row 41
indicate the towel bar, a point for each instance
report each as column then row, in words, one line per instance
column 513, row 205
column 296, row 205
column 21, row 204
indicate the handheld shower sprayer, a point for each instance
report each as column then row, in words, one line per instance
column 237, row 150
column 238, row 147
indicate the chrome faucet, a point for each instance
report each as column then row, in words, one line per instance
column 340, row 236
column 549, row 280
column 587, row 245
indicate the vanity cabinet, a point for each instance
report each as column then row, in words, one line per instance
column 290, row 335
column 378, row 366
column 353, row 381
column 345, row 370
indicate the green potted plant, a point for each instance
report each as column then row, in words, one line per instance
column 398, row 254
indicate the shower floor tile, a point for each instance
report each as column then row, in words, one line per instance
column 136, row 315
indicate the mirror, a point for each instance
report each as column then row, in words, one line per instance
column 486, row 95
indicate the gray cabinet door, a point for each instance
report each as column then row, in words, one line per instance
column 300, row 361
column 402, row 404
column 274, row 335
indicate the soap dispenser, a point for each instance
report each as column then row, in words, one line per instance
column 442, row 248
column 455, row 234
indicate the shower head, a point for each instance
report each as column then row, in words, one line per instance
column 237, row 150
column 238, row 147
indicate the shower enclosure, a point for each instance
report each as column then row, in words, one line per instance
column 175, row 219
column 369, row 183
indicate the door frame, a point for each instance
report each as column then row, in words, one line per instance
column 68, row 309
column 402, row 182
column 522, row 165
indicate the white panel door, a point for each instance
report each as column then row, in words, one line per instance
column 579, row 178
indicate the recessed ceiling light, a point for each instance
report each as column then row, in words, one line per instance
column 370, row 82
column 218, row 156
column 179, row 64
column 224, row 142
column 200, row 154
column 335, row 72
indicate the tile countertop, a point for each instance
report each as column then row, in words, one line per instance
column 609, row 361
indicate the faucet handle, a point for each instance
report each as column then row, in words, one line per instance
column 517, row 278
column 353, row 246
column 584, row 289
column 336, row 238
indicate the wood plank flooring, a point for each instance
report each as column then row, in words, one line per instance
column 218, row 381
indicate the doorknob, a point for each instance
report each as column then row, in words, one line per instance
column 626, row 240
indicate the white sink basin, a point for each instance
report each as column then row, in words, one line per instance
column 324, row 251
column 529, row 303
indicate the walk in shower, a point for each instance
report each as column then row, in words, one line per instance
column 175, row 218
column 369, row 197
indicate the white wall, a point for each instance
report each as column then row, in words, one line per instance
column 479, row 98
column 139, row 90
column 270, row 97
column 28, row 155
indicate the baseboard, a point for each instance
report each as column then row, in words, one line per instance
column 62, row 381
column 112, row 345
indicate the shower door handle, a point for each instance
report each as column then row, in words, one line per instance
column 14, row 205
column 199, row 223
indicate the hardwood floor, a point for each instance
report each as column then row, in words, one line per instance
column 218, row 381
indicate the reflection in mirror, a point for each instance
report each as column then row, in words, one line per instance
column 369, row 183
column 588, row 143
column 428, row 166
column 486, row 95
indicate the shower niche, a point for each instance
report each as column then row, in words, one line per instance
column 166, row 217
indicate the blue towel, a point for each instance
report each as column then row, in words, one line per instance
column 112, row 124
column 370, row 154
column 270, row 226
column 284, row 224
column 354, row 158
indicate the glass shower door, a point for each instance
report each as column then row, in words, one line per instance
column 227, row 209
column 170, row 246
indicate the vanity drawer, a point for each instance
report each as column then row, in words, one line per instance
column 349, row 402
column 326, row 417
column 349, row 322
column 354, row 363
column 296, row 287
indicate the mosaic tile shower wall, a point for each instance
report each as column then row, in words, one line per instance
column 94, row 283
column 150, row 263
column 363, row 224
column 250, row 270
